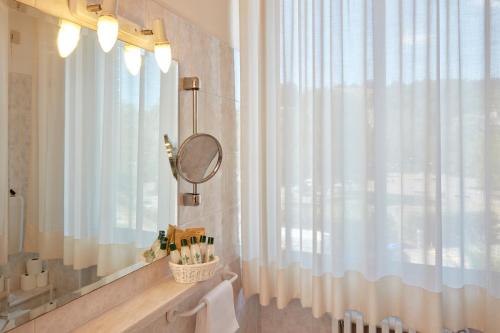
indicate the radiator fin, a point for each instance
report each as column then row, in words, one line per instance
column 353, row 322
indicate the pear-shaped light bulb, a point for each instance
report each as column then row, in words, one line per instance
column 107, row 32
column 133, row 59
column 67, row 38
column 163, row 56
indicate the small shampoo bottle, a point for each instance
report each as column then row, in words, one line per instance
column 157, row 243
column 203, row 248
column 163, row 248
column 210, row 249
column 195, row 251
column 185, row 254
column 175, row 256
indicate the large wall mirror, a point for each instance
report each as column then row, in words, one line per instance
column 89, row 180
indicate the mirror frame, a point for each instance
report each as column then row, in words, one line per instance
column 181, row 152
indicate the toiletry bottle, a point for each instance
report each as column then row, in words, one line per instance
column 195, row 251
column 175, row 256
column 149, row 256
column 157, row 243
column 185, row 253
column 160, row 251
column 203, row 248
column 163, row 248
column 210, row 249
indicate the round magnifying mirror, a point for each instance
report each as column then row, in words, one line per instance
column 199, row 158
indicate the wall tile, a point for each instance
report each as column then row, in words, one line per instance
column 229, row 122
column 211, row 64
column 292, row 319
column 227, row 72
column 133, row 10
column 249, row 314
column 231, row 234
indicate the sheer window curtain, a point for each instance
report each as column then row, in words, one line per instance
column 370, row 140
column 4, row 113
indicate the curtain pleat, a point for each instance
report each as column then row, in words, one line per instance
column 48, row 214
column 370, row 139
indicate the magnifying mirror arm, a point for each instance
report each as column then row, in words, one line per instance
column 199, row 157
column 172, row 155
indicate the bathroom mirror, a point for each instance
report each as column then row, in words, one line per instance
column 88, row 176
column 199, row 158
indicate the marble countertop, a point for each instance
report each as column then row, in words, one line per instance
column 133, row 313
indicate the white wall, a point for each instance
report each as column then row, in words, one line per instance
column 217, row 17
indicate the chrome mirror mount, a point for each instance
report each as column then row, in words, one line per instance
column 199, row 156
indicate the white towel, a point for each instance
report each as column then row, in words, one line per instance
column 218, row 316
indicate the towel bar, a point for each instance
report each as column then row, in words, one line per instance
column 171, row 315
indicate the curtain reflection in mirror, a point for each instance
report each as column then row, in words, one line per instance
column 101, row 128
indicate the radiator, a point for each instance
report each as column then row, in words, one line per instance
column 353, row 322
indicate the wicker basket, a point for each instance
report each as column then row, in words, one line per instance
column 194, row 273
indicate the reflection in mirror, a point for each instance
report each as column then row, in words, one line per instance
column 89, row 179
column 199, row 158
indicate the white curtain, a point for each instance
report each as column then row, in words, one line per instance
column 4, row 128
column 117, row 190
column 370, row 158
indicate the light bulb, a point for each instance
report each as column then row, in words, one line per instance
column 163, row 56
column 67, row 38
column 107, row 32
column 133, row 59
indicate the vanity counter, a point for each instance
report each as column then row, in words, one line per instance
column 137, row 302
column 135, row 313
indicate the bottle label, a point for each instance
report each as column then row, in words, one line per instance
column 198, row 258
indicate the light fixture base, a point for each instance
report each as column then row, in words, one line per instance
column 191, row 199
column 94, row 8
column 191, row 83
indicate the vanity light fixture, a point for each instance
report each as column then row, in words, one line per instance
column 163, row 51
column 67, row 37
column 107, row 25
column 133, row 59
